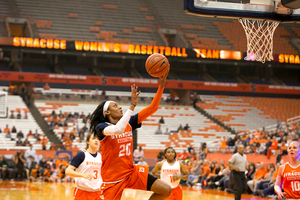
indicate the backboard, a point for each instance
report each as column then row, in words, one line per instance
column 250, row 9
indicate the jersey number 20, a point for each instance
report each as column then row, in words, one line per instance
column 125, row 150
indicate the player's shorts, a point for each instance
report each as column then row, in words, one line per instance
column 136, row 180
column 86, row 195
column 176, row 194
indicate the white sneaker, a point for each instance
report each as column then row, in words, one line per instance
column 217, row 183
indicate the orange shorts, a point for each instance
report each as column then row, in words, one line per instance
column 86, row 195
column 176, row 194
column 136, row 180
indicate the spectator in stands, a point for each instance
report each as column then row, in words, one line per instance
column 19, row 142
column 167, row 132
column 230, row 142
column 161, row 120
column 160, row 155
column 223, row 144
column 60, row 162
column 36, row 135
column 12, row 116
column 26, row 142
column 72, row 136
column 44, row 142
column 142, row 161
column 30, row 164
column 187, row 127
column 30, row 152
column 137, row 154
column 158, row 131
column 259, row 174
column 179, row 128
column 19, row 116
column 274, row 144
column 13, row 129
column 194, row 173
column 203, row 151
column 184, row 155
column 268, row 188
column 250, row 171
column 193, row 154
column 43, row 163
column 82, row 115
column 8, row 135
column 6, row 129
column 25, row 115
column 190, row 148
column 268, row 145
column 20, row 134
column 204, row 173
column 267, row 178
column 15, row 90
column 19, row 159
column 103, row 94
column 30, row 134
column 35, row 174
column 46, row 86
column 6, row 171
column 52, row 146
column 95, row 94
column 23, row 91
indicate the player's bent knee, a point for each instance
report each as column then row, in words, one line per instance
column 161, row 188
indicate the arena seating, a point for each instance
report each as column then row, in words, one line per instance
column 235, row 112
column 276, row 108
column 202, row 130
column 93, row 21
column 15, row 103
column 198, row 32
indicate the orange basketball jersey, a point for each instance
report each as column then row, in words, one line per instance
column 117, row 162
column 291, row 181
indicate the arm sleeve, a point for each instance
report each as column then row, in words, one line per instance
column 153, row 107
column 78, row 159
column 232, row 159
column 120, row 126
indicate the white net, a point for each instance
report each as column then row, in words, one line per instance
column 259, row 35
column 3, row 104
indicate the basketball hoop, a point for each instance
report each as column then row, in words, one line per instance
column 259, row 35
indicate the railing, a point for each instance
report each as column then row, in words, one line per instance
column 29, row 27
column 7, row 27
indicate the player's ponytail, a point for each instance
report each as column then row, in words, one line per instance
column 88, row 139
column 97, row 117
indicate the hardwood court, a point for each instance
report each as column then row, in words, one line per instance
column 64, row 191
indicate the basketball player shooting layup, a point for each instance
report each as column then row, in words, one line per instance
column 87, row 175
column 115, row 134
column 171, row 171
column 289, row 175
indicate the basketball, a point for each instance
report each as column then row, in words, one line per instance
column 157, row 65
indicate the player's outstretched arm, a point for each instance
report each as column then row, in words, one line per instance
column 70, row 171
column 156, row 168
column 122, row 123
column 153, row 107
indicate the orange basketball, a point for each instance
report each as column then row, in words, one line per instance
column 157, row 65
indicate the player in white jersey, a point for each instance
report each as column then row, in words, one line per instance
column 85, row 168
column 171, row 171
